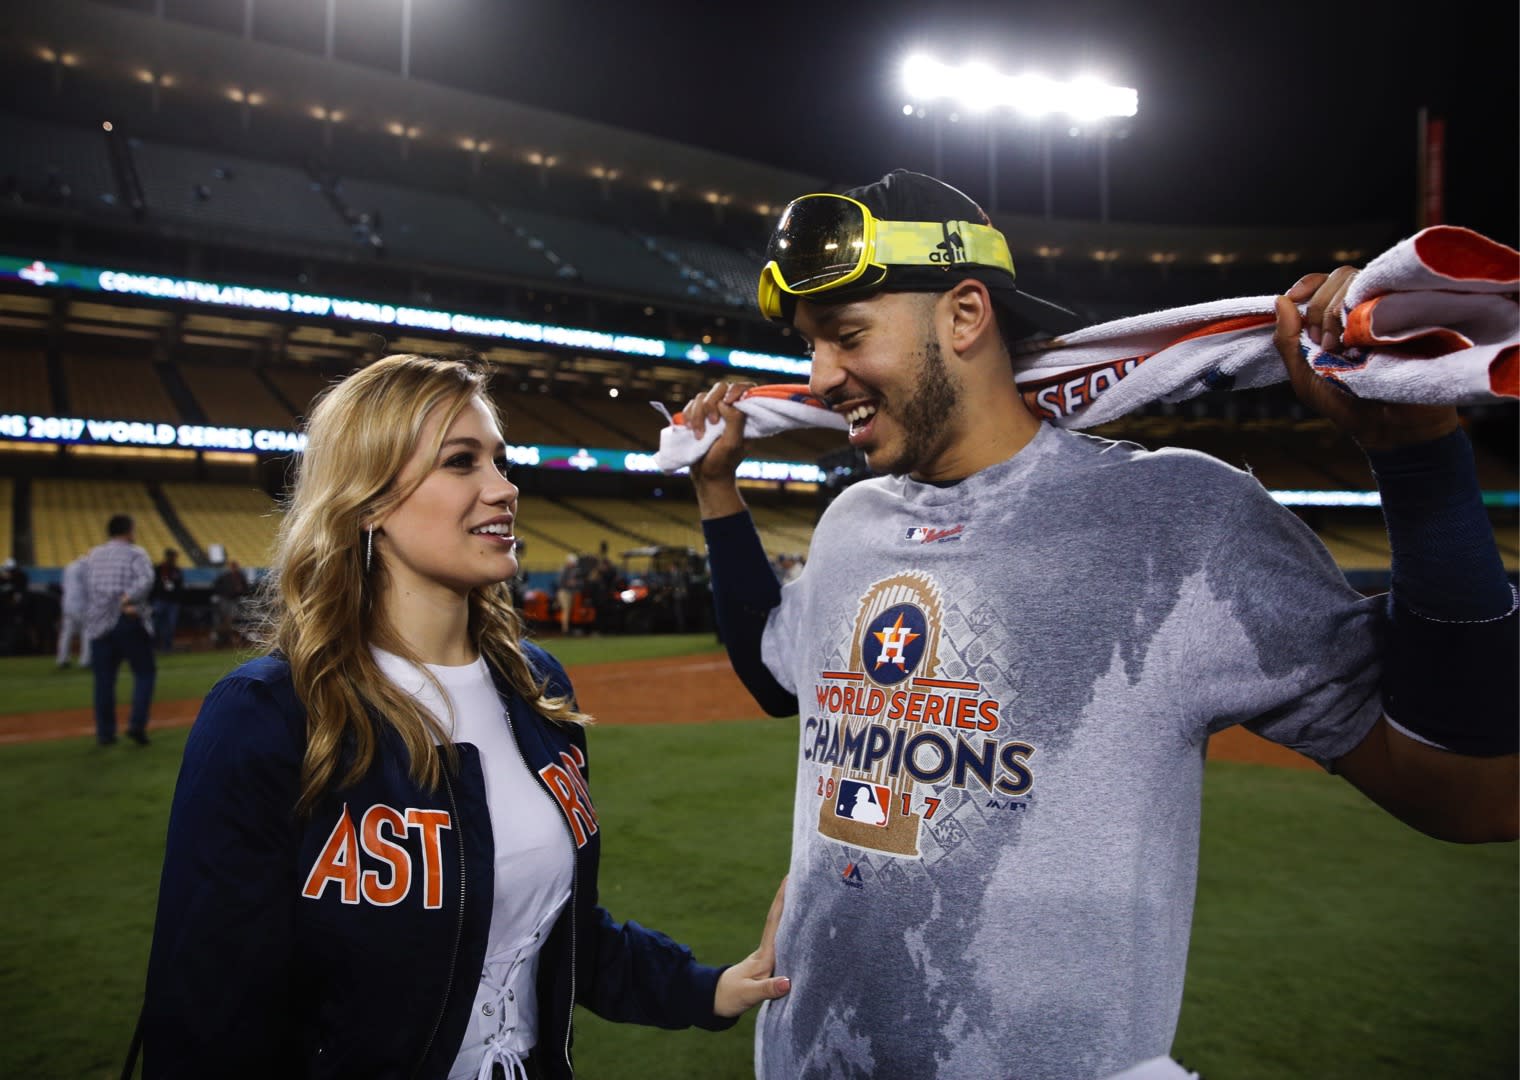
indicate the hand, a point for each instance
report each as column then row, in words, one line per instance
column 1375, row 425
column 724, row 456
column 749, row 982
column 714, row 475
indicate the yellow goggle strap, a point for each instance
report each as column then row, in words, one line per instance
column 902, row 243
column 932, row 243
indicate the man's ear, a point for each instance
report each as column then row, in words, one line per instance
column 969, row 306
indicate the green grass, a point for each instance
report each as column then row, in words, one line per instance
column 1332, row 942
column 1329, row 942
column 33, row 683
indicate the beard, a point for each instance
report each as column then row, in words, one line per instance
column 925, row 415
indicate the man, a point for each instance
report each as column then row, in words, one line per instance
column 13, row 608
column 568, row 588
column 1015, row 641
column 71, row 623
column 117, row 577
column 227, row 593
column 168, row 585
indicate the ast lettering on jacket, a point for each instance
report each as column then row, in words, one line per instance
column 373, row 863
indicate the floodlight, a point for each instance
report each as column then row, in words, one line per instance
column 976, row 87
column 924, row 78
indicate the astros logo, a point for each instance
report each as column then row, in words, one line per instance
column 893, row 643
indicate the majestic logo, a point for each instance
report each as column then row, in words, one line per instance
column 925, row 534
column 851, row 876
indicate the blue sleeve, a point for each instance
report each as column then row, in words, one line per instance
column 640, row 976
column 220, row 969
column 745, row 590
column 1449, row 665
column 630, row 974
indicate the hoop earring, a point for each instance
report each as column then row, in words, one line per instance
column 369, row 548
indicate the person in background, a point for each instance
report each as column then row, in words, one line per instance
column 117, row 577
column 168, row 587
column 13, row 608
column 227, row 593
column 571, row 581
column 71, row 615
column 383, row 851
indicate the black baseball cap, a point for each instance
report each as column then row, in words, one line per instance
column 903, row 195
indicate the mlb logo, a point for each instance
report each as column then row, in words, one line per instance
column 866, row 803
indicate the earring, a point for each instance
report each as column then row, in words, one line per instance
column 369, row 548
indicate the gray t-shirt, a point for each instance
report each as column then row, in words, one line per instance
column 1006, row 688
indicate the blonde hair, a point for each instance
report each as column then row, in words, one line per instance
column 319, row 605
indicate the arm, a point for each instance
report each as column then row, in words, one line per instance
column 220, row 980
column 142, row 578
column 669, row 989
column 1442, row 759
column 745, row 589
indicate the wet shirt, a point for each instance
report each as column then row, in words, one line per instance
column 1006, row 687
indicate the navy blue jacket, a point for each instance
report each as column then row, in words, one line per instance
column 349, row 942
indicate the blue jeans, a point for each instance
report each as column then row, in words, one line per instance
column 129, row 641
column 165, row 620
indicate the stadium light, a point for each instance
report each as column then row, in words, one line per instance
column 977, row 89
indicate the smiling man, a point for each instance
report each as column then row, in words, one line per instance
column 1015, row 642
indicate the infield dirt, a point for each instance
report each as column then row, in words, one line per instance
column 676, row 690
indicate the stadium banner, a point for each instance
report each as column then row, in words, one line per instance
column 90, row 431
column 62, row 275
column 85, row 431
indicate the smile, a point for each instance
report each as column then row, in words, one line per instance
column 492, row 530
column 859, row 415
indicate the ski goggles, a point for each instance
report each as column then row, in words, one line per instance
column 825, row 242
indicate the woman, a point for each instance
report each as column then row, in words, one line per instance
column 382, row 854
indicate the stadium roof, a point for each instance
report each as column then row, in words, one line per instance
column 209, row 63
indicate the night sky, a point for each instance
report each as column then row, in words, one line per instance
column 1250, row 113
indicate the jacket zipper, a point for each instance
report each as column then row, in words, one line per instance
column 448, row 992
column 575, row 877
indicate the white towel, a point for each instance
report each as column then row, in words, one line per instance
column 1433, row 320
column 767, row 410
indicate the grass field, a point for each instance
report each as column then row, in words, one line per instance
column 32, row 683
column 1329, row 942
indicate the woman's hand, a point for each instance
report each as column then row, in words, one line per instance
column 750, row 981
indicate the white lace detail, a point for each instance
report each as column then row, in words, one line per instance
column 504, row 1046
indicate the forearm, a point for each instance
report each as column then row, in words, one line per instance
column 636, row 975
column 745, row 590
column 1449, row 661
column 717, row 498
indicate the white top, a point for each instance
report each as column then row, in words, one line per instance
column 535, row 861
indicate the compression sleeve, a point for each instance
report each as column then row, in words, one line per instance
column 1449, row 663
column 745, row 590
